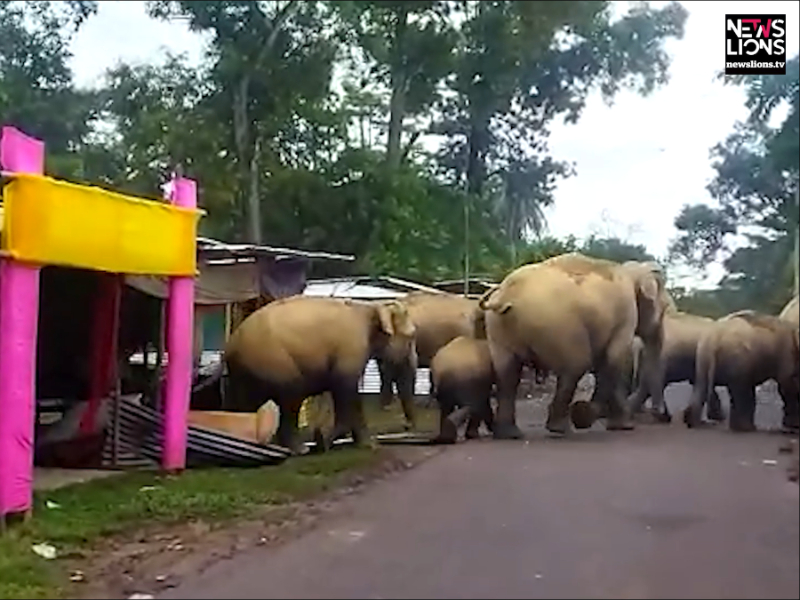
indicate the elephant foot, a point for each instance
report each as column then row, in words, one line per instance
column 558, row 426
column 716, row 414
column 791, row 424
column 620, row 423
column 506, row 431
column 448, row 433
column 409, row 425
column 652, row 417
column 741, row 426
column 583, row 414
column 691, row 418
column 472, row 434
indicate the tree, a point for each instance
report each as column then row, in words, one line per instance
column 258, row 51
column 520, row 65
column 755, row 186
column 409, row 46
column 37, row 93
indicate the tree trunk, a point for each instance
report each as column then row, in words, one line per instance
column 399, row 84
column 476, row 159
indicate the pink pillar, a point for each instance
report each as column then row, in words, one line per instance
column 180, row 327
column 19, row 315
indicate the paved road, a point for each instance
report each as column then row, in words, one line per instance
column 660, row 512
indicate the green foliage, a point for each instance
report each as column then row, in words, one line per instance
column 37, row 94
column 755, row 186
column 283, row 155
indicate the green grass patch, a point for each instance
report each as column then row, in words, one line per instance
column 88, row 512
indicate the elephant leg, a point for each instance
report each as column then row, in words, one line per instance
column 481, row 413
column 476, row 415
column 652, row 380
column 610, row 381
column 507, row 370
column 790, row 394
column 743, row 408
column 558, row 411
column 637, row 399
column 405, row 389
column 386, row 375
column 488, row 413
column 448, row 432
column 286, row 435
column 360, row 429
column 714, row 410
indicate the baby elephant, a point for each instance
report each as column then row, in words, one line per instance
column 462, row 379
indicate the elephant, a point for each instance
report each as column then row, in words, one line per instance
column 791, row 312
column 571, row 314
column 740, row 351
column 676, row 362
column 302, row 346
column 437, row 318
column 462, row 378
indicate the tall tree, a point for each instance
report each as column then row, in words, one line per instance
column 522, row 64
column 409, row 47
column 268, row 57
column 755, row 187
column 37, row 93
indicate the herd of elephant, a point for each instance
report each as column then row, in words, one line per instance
column 567, row 316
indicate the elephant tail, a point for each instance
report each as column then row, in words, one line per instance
column 493, row 300
column 705, row 369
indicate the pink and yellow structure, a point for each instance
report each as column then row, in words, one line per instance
column 51, row 222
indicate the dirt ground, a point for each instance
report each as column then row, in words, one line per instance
column 169, row 562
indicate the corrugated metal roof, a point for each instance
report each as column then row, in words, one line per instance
column 349, row 289
column 223, row 251
column 384, row 281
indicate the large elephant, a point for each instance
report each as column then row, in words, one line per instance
column 674, row 363
column 303, row 346
column 462, row 378
column 571, row 314
column 740, row 351
column 438, row 319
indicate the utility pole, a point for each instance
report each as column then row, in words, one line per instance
column 466, row 245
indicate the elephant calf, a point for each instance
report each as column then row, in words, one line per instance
column 674, row 362
column 740, row 351
column 462, row 378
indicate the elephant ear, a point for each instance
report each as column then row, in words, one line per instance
column 385, row 318
column 394, row 319
column 651, row 296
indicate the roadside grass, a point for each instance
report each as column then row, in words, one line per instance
column 74, row 518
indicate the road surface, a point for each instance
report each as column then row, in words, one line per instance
column 660, row 512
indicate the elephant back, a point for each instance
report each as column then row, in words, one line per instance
column 291, row 338
column 462, row 357
column 439, row 318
